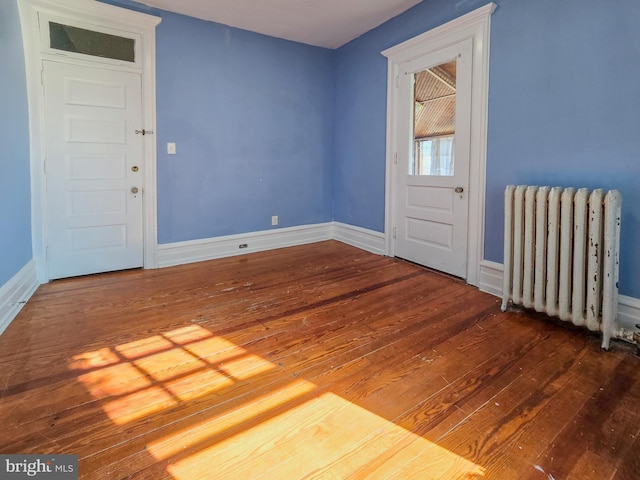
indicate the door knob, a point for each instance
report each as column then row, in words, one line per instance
column 134, row 168
column 134, row 189
column 459, row 189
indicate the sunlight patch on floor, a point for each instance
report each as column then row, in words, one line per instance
column 288, row 428
column 149, row 375
column 324, row 437
column 229, row 421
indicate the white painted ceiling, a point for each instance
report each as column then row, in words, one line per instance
column 324, row 23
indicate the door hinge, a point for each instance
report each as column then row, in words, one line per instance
column 46, row 253
column 394, row 232
column 395, row 158
column 397, row 80
column 42, row 77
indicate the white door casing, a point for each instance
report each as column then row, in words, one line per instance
column 92, row 15
column 93, row 172
column 475, row 26
column 431, row 217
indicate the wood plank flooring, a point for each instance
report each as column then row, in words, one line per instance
column 316, row 362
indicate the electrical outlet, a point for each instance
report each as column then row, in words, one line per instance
column 274, row 220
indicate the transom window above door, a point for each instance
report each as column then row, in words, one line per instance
column 69, row 37
column 89, row 42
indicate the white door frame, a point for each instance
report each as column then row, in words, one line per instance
column 100, row 16
column 475, row 25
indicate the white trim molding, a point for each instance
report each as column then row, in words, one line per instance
column 191, row 251
column 363, row 238
column 475, row 25
column 100, row 15
column 16, row 292
column 628, row 312
column 491, row 274
column 179, row 253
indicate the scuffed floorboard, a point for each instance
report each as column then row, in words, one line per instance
column 319, row 361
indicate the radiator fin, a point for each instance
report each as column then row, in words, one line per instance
column 561, row 254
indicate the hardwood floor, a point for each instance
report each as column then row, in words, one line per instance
column 319, row 361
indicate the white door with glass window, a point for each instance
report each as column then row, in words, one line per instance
column 432, row 177
column 93, row 166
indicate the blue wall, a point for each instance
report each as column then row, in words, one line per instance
column 269, row 127
column 252, row 119
column 15, row 189
column 563, row 109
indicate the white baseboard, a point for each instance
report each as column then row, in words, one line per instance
column 628, row 312
column 15, row 293
column 362, row 238
column 491, row 274
column 180, row 253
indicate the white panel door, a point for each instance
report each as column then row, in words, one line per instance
column 432, row 202
column 93, row 169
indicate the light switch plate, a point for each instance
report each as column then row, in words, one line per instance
column 171, row 148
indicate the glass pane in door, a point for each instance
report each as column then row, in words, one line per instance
column 88, row 42
column 434, row 117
